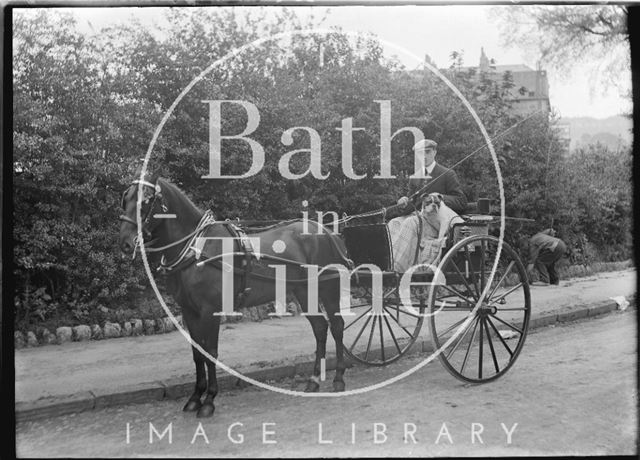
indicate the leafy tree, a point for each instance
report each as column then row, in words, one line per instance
column 563, row 35
column 597, row 201
column 69, row 121
column 86, row 106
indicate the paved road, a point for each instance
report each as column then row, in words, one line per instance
column 573, row 391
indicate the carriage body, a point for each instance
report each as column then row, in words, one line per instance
column 477, row 301
column 370, row 243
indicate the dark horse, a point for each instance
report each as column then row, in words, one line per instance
column 197, row 288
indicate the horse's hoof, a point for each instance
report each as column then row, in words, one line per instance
column 312, row 387
column 206, row 411
column 338, row 386
column 192, row 406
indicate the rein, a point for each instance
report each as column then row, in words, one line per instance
column 206, row 221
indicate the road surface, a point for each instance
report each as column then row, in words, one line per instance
column 573, row 391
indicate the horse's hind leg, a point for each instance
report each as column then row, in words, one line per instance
column 336, row 323
column 194, row 404
column 319, row 325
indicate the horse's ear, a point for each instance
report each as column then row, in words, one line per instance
column 158, row 188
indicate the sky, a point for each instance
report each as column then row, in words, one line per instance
column 433, row 30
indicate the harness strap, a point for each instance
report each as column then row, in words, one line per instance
column 255, row 226
column 144, row 182
column 244, row 249
column 217, row 263
column 332, row 239
column 206, row 221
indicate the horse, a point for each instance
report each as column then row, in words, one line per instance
column 197, row 287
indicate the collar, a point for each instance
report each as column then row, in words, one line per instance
column 430, row 168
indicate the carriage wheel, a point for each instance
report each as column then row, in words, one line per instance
column 489, row 341
column 378, row 339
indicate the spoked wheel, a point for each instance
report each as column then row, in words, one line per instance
column 487, row 343
column 378, row 339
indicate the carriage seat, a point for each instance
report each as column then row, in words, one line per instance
column 480, row 207
column 377, row 242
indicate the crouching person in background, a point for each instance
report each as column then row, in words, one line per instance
column 545, row 250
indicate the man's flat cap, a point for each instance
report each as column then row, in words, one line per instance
column 425, row 144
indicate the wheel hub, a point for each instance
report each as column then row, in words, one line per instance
column 486, row 309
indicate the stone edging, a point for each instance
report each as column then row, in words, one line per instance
column 85, row 332
column 128, row 328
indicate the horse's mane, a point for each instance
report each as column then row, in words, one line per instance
column 177, row 193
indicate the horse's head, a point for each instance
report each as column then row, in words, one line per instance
column 151, row 204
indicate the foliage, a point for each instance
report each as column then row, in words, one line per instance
column 597, row 206
column 86, row 107
column 564, row 35
column 67, row 168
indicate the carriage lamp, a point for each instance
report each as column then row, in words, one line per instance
column 484, row 205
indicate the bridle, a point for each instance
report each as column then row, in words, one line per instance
column 148, row 227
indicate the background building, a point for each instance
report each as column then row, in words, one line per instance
column 531, row 87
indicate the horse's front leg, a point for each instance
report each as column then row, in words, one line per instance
column 208, row 407
column 193, row 404
column 210, row 331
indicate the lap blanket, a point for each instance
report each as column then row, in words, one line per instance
column 403, row 232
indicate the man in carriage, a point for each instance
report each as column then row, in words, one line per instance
column 435, row 204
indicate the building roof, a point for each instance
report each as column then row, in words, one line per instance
column 513, row 68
